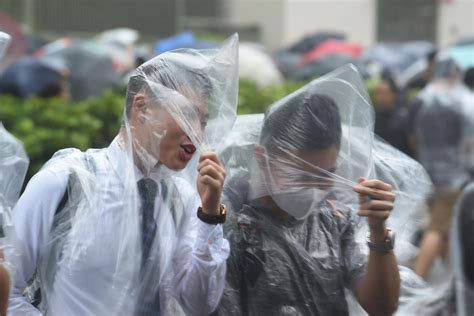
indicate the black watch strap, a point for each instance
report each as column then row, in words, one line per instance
column 212, row 219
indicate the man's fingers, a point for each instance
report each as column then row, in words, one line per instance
column 376, row 194
column 376, row 184
column 377, row 205
column 215, row 184
column 211, row 156
column 213, row 172
column 207, row 163
column 374, row 214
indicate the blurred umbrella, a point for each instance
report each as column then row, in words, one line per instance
column 287, row 62
column 121, row 36
column 18, row 45
column 181, row 40
column 397, row 57
column 311, row 41
column 120, row 45
column 331, row 47
column 28, row 77
column 288, row 59
column 463, row 55
column 91, row 70
column 465, row 41
column 325, row 65
column 252, row 57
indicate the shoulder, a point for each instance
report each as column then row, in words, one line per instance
column 51, row 181
column 54, row 176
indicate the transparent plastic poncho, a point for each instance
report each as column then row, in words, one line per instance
column 297, row 245
column 179, row 105
column 13, row 165
column 445, row 126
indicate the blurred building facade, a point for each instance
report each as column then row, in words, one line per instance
column 282, row 22
column 276, row 23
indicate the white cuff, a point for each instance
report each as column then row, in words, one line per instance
column 210, row 242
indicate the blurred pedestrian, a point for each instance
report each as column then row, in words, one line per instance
column 440, row 130
column 391, row 117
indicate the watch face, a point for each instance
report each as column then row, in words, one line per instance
column 387, row 245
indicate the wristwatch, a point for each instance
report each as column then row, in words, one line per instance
column 385, row 246
column 213, row 219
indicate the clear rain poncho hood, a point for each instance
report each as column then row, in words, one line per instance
column 296, row 242
column 13, row 166
column 179, row 104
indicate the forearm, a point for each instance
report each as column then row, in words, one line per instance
column 4, row 289
column 379, row 290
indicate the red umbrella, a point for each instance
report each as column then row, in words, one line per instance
column 18, row 45
column 331, row 47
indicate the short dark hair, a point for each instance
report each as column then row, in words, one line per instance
column 469, row 78
column 306, row 122
column 388, row 78
column 169, row 74
column 430, row 57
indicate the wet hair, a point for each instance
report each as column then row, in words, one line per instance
column 430, row 57
column 305, row 122
column 171, row 75
column 469, row 78
column 388, row 78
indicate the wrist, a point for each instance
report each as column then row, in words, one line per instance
column 379, row 244
column 378, row 234
column 211, row 209
column 210, row 218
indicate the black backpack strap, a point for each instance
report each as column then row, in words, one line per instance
column 34, row 285
column 64, row 199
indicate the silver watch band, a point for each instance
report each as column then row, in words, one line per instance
column 387, row 245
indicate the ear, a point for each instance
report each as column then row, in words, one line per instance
column 139, row 107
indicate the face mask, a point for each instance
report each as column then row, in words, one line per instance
column 297, row 202
column 300, row 204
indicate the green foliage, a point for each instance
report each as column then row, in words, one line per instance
column 255, row 99
column 47, row 125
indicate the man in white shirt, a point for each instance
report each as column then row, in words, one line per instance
column 118, row 230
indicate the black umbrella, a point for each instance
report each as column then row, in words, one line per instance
column 28, row 77
column 91, row 71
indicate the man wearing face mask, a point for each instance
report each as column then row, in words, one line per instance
column 116, row 231
column 293, row 250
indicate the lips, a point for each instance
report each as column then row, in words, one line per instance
column 186, row 152
column 189, row 148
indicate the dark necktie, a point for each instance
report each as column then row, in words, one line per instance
column 149, row 302
column 147, row 188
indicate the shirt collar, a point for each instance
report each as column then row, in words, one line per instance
column 122, row 163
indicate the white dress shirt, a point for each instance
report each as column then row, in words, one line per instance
column 195, row 277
